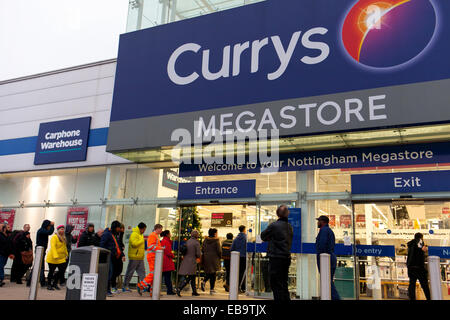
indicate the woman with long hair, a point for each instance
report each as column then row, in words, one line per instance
column 57, row 258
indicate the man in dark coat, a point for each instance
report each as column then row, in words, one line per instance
column 240, row 245
column 325, row 242
column 5, row 251
column 110, row 241
column 89, row 237
column 416, row 266
column 47, row 229
column 279, row 235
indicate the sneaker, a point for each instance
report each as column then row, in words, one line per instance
column 114, row 290
column 212, row 292
column 126, row 289
column 202, row 286
column 19, row 282
column 139, row 289
column 195, row 294
column 2, row 283
column 109, row 294
column 50, row 288
column 56, row 287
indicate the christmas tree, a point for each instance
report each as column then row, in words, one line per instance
column 190, row 220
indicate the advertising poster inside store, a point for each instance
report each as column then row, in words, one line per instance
column 7, row 215
column 77, row 217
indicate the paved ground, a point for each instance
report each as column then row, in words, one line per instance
column 12, row 291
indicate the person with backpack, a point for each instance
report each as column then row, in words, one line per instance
column 226, row 256
column 153, row 244
column 23, row 256
column 109, row 241
column 168, row 264
column 188, row 268
column 136, row 253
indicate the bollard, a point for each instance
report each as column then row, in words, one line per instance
column 157, row 276
column 93, row 267
column 36, row 273
column 325, row 277
column 234, row 276
column 435, row 277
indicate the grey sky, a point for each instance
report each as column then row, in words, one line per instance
column 44, row 35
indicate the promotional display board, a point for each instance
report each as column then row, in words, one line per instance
column 78, row 218
column 222, row 219
column 7, row 215
column 300, row 66
column 62, row 141
column 402, row 182
column 217, row 190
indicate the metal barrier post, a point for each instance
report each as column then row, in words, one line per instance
column 93, row 267
column 234, row 275
column 325, row 277
column 435, row 277
column 157, row 276
column 36, row 273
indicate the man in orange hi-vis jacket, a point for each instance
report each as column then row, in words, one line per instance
column 153, row 244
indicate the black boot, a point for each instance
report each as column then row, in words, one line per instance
column 181, row 285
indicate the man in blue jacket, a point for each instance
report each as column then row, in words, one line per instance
column 240, row 244
column 110, row 241
column 325, row 242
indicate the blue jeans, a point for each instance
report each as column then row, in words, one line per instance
column 3, row 261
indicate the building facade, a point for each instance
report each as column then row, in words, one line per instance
column 360, row 137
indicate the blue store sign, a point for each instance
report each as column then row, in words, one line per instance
column 402, row 182
column 217, row 190
column 62, row 141
column 299, row 66
column 442, row 252
column 331, row 159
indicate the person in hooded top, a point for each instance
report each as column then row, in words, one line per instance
column 46, row 230
column 136, row 254
column 89, row 237
column 57, row 258
column 211, row 259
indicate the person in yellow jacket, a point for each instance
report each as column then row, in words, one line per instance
column 136, row 253
column 153, row 244
column 57, row 258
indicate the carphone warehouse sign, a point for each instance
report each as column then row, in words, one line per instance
column 297, row 66
column 62, row 141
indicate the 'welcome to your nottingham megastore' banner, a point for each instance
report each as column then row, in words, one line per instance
column 299, row 66
column 330, row 159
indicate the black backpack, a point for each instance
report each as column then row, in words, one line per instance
column 183, row 250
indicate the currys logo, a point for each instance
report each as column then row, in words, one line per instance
column 388, row 33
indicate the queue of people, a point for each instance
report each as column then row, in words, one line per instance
column 18, row 246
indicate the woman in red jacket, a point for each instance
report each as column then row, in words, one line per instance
column 168, row 265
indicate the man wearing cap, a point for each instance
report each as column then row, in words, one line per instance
column 325, row 242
